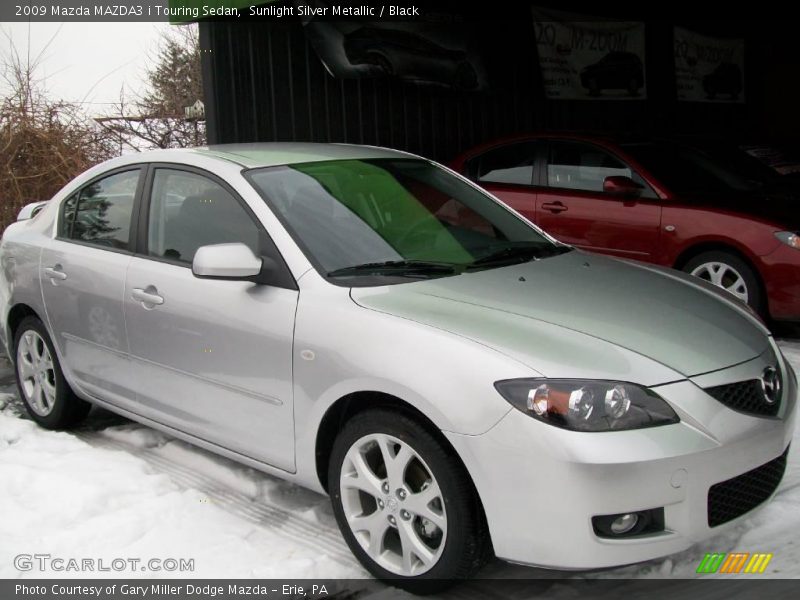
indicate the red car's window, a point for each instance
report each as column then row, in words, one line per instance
column 579, row 166
column 511, row 164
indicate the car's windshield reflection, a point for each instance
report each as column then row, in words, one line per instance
column 391, row 217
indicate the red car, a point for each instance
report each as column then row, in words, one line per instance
column 656, row 201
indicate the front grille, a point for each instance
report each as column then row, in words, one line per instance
column 745, row 396
column 733, row 498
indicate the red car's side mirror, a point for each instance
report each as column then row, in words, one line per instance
column 620, row 185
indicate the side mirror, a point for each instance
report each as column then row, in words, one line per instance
column 31, row 210
column 226, row 261
column 620, row 185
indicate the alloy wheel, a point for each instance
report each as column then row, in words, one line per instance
column 393, row 504
column 724, row 276
column 36, row 372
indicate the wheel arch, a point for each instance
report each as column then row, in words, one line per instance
column 720, row 246
column 698, row 248
column 15, row 316
column 354, row 403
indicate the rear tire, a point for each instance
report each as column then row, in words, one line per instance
column 453, row 543
column 730, row 272
column 42, row 387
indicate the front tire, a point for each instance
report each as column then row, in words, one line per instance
column 731, row 273
column 405, row 504
column 45, row 392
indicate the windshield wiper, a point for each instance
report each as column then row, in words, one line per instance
column 401, row 268
column 521, row 253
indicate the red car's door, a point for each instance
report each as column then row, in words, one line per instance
column 572, row 207
column 507, row 172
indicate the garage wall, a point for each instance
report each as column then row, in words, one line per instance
column 264, row 82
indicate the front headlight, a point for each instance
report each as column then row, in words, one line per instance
column 587, row 405
column 789, row 238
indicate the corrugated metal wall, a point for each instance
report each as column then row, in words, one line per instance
column 264, row 82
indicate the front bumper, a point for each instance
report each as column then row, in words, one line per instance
column 781, row 274
column 541, row 486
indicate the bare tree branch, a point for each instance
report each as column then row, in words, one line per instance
column 43, row 143
column 156, row 119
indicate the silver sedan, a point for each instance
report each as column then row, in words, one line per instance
column 370, row 325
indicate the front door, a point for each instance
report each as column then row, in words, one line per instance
column 212, row 358
column 573, row 208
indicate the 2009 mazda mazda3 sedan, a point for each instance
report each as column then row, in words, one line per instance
column 371, row 325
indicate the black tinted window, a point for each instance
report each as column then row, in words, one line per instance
column 188, row 211
column 104, row 210
column 509, row 164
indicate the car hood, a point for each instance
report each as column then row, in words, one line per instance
column 585, row 312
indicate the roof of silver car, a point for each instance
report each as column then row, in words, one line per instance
column 289, row 153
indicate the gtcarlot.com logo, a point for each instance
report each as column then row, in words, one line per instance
column 58, row 564
column 735, row 562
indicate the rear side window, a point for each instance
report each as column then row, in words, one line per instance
column 101, row 212
column 188, row 211
column 512, row 164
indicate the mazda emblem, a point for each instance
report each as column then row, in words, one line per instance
column 771, row 384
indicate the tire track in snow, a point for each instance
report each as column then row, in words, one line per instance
column 319, row 536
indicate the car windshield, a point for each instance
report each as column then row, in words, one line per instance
column 395, row 218
column 685, row 169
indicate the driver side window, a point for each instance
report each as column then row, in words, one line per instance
column 580, row 166
column 188, row 210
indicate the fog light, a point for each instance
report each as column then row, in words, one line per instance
column 624, row 523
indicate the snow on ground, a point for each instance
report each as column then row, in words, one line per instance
column 69, row 498
column 116, row 489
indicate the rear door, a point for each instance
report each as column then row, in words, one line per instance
column 83, row 278
column 211, row 358
column 508, row 173
column 573, row 208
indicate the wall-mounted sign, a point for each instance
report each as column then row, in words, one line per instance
column 708, row 69
column 427, row 52
column 584, row 58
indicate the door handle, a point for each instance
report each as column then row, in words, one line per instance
column 55, row 273
column 554, row 207
column 148, row 295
